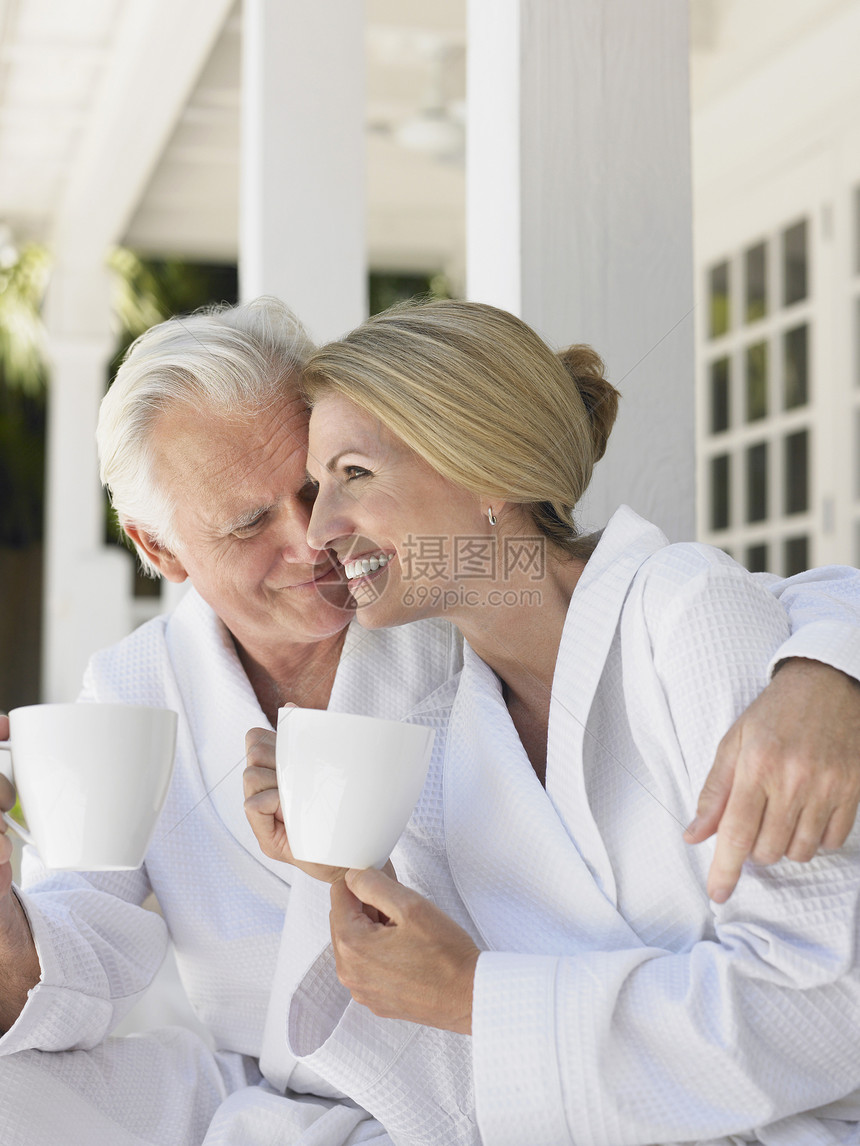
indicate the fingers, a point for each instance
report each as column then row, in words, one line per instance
column 810, row 827
column 840, row 824
column 4, row 726
column 260, row 747
column 262, row 802
column 7, row 797
column 738, row 831
column 419, row 966
column 7, row 801
column 715, row 793
column 376, row 889
column 347, row 910
column 260, row 778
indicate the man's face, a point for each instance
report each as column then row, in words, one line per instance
column 242, row 505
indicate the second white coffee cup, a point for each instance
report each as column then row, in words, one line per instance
column 92, row 779
column 348, row 783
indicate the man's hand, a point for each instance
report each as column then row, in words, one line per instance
column 263, row 806
column 19, row 963
column 7, row 802
column 786, row 780
column 419, row 965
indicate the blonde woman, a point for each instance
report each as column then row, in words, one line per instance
column 571, row 935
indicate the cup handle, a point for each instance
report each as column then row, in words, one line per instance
column 6, row 770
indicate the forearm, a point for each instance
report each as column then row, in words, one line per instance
column 627, row 1051
column 98, row 954
column 19, row 962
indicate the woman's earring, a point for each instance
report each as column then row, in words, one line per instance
column 491, row 517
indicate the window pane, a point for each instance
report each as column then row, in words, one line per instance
column 720, row 474
column 720, row 395
column 794, row 263
column 795, row 552
column 797, row 472
column 795, row 344
column 757, row 482
column 756, row 560
column 755, row 268
column 756, row 371
column 718, row 296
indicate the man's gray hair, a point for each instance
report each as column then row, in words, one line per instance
column 226, row 359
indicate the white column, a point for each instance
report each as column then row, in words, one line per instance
column 302, row 193
column 87, row 585
column 579, row 215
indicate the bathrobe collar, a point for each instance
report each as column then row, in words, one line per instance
column 502, row 872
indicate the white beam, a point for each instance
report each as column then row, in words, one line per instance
column 160, row 47
column 159, row 51
column 87, row 586
column 579, row 214
column 302, row 189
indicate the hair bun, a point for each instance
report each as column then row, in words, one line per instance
column 600, row 398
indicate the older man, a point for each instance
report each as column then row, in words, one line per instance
column 203, row 443
column 203, row 446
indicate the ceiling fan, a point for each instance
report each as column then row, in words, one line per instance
column 437, row 128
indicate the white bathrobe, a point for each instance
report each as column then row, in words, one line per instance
column 223, row 901
column 225, row 905
column 613, row 1003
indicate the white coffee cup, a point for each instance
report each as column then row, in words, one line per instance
column 92, row 780
column 348, row 784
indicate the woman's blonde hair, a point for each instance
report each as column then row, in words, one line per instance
column 480, row 396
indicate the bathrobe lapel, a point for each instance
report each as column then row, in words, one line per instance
column 532, row 869
column 590, row 627
column 380, row 673
column 221, row 706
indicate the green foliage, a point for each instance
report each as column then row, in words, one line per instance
column 389, row 287
column 147, row 291
column 22, row 465
column 23, row 279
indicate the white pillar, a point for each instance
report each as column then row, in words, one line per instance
column 302, row 193
column 579, row 215
column 86, row 595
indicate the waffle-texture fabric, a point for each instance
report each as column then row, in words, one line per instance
column 223, row 904
column 614, row 1004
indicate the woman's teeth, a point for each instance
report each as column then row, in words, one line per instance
column 365, row 565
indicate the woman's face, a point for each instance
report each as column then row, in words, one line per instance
column 402, row 531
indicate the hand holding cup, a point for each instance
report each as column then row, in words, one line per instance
column 335, row 790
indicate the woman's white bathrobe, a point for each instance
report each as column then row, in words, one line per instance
column 223, row 901
column 614, row 1004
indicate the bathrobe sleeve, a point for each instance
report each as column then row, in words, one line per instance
column 823, row 607
column 756, row 1021
column 98, row 952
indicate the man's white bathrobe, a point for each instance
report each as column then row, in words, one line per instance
column 614, row 1004
column 223, row 901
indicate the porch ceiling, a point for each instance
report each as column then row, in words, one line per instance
column 167, row 173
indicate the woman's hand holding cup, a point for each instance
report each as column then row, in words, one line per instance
column 334, row 790
column 263, row 806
